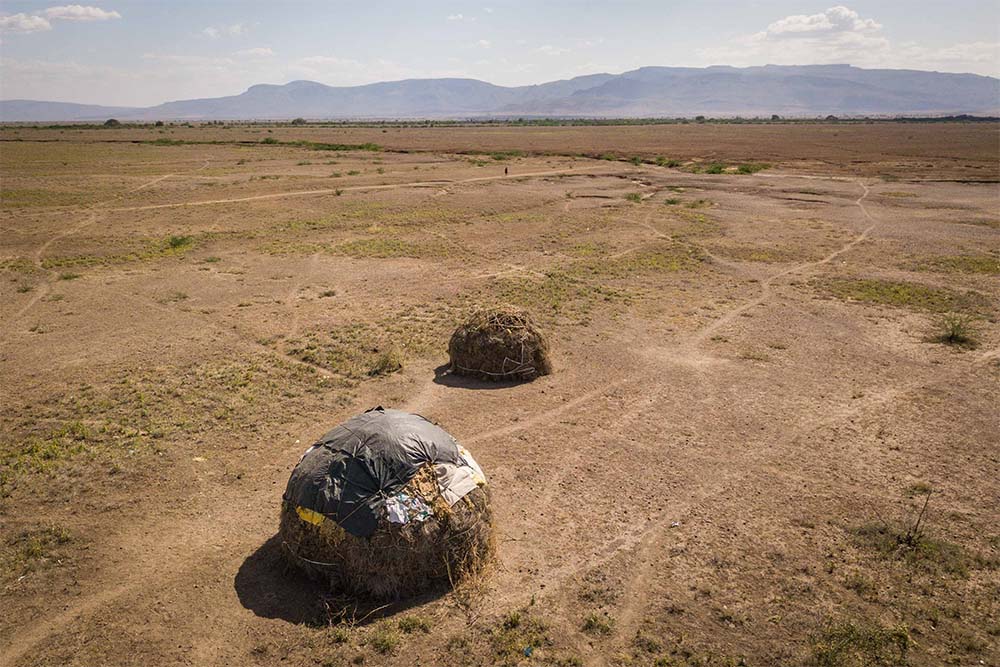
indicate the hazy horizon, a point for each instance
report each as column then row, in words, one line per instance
column 141, row 54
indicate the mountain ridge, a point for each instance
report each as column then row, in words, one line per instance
column 719, row 90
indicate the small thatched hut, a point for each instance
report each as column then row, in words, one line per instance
column 499, row 344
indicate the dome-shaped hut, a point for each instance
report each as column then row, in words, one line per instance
column 499, row 344
column 385, row 506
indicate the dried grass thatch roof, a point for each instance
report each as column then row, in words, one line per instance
column 498, row 344
column 397, row 560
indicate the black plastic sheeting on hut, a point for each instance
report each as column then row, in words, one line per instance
column 348, row 474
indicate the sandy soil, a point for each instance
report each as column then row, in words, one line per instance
column 747, row 414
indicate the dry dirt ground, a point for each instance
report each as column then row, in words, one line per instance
column 751, row 409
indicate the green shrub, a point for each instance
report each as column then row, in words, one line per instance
column 956, row 329
column 384, row 638
column 177, row 242
column 411, row 624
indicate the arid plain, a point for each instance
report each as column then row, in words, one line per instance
column 756, row 447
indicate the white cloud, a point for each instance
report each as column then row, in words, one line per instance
column 24, row 23
column 549, row 50
column 456, row 17
column 834, row 20
column 80, row 13
column 41, row 21
column 229, row 30
column 258, row 52
column 488, row 10
column 841, row 35
column 484, row 43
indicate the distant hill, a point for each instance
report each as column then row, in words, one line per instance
column 809, row 90
column 30, row 110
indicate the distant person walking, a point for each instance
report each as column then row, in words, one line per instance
column 505, row 171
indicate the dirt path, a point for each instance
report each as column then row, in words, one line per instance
column 767, row 284
column 361, row 188
column 91, row 218
column 651, row 542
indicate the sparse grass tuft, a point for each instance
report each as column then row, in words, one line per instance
column 387, row 362
column 698, row 203
column 658, row 257
column 505, row 155
column 27, row 551
column 384, row 638
column 646, row 643
column 68, row 276
column 752, row 167
column 178, row 242
column 597, row 624
column 955, row 329
column 988, row 264
column 380, row 247
column 634, row 197
column 517, row 635
column 411, row 624
column 918, row 550
column 861, row 644
column 902, row 294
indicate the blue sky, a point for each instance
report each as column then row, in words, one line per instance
column 143, row 53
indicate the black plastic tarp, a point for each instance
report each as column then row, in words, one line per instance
column 348, row 474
